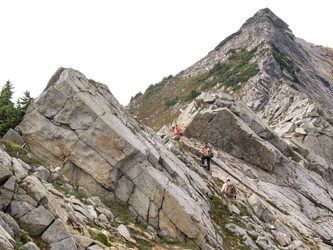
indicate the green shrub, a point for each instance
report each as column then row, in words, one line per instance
column 61, row 188
column 136, row 96
column 200, row 102
column 284, row 62
column 204, row 86
column 170, row 103
column 227, row 39
column 275, row 23
column 192, row 95
column 21, row 240
column 79, row 194
column 16, row 151
column 11, row 115
column 156, row 87
column 99, row 237
column 119, row 208
column 236, row 70
column 103, row 239
column 231, row 51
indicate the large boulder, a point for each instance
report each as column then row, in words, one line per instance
column 77, row 124
column 13, row 136
column 225, row 130
column 36, row 221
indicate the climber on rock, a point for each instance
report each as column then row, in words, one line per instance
column 177, row 132
column 229, row 190
column 206, row 155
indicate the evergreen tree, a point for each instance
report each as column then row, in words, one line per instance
column 24, row 101
column 6, row 94
column 7, row 109
column 11, row 116
column 22, row 105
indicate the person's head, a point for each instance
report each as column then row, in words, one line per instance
column 228, row 180
column 205, row 146
column 172, row 126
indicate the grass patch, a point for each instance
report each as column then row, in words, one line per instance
column 275, row 23
column 177, row 244
column 40, row 243
column 161, row 163
column 200, row 102
column 232, row 73
column 220, row 215
column 192, row 95
column 120, row 209
column 156, row 87
column 158, row 109
column 227, row 39
column 182, row 145
column 79, row 194
column 16, row 151
column 21, row 240
column 61, row 188
column 284, row 62
column 99, row 237
column 136, row 96
column 170, row 103
column 128, row 177
column 144, row 244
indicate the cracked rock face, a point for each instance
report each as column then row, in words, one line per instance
column 78, row 125
column 224, row 130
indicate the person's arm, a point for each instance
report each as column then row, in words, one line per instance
column 175, row 131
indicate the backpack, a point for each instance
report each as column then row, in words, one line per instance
column 211, row 153
column 179, row 131
column 231, row 190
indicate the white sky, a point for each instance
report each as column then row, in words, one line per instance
column 130, row 44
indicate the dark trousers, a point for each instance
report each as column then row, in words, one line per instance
column 207, row 157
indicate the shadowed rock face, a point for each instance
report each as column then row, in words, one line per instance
column 80, row 126
column 226, row 131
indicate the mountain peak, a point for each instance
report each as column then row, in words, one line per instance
column 267, row 13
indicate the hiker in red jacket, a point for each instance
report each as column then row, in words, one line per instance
column 177, row 132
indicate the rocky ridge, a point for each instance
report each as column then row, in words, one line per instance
column 79, row 129
column 292, row 91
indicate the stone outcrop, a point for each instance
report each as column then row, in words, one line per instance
column 224, row 130
column 79, row 126
column 305, row 125
column 34, row 209
column 234, row 128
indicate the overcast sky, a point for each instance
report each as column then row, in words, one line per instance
column 130, row 44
